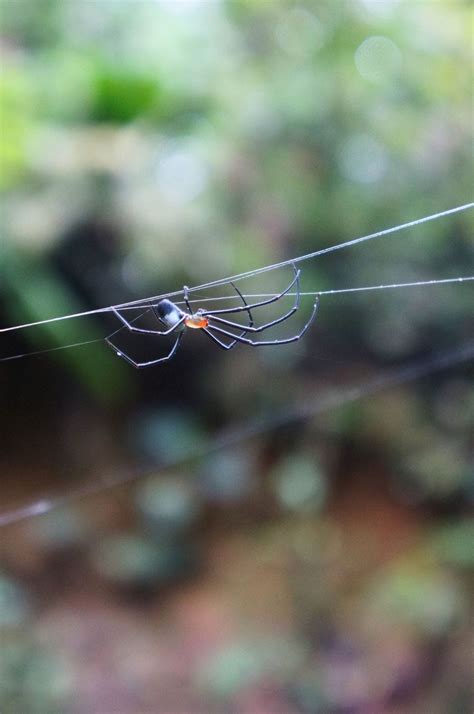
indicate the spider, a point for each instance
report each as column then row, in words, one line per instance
column 177, row 320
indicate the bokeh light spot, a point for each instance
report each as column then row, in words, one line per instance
column 378, row 59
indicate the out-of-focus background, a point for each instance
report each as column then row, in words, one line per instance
column 249, row 565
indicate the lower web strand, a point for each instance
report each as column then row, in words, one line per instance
column 309, row 409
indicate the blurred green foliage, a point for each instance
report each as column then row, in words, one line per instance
column 239, row 133
column 144, row 145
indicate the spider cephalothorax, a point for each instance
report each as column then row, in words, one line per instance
column 211, row 322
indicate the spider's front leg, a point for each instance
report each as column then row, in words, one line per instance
column 261, row 303
column 261, row 343
column 242, row 327
column 186, row 299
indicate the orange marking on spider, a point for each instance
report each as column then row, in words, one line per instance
column 196, row 322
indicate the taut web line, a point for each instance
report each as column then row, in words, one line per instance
column 251, row 273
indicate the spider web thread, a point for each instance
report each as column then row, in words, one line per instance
column 251, row 273
column 332, row 400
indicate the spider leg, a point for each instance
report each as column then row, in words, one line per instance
column 261, row 328
column 259, row 343
column 244, row 330
column 253, row 329
column 186, row 299
column 140, row 365
column 218, row 341
column 247, row 307
column 257, row 304
column 240, row 327
column 243, row 327
column 130, row 327
column 205, row 312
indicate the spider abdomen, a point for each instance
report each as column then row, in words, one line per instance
column 169, row 313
